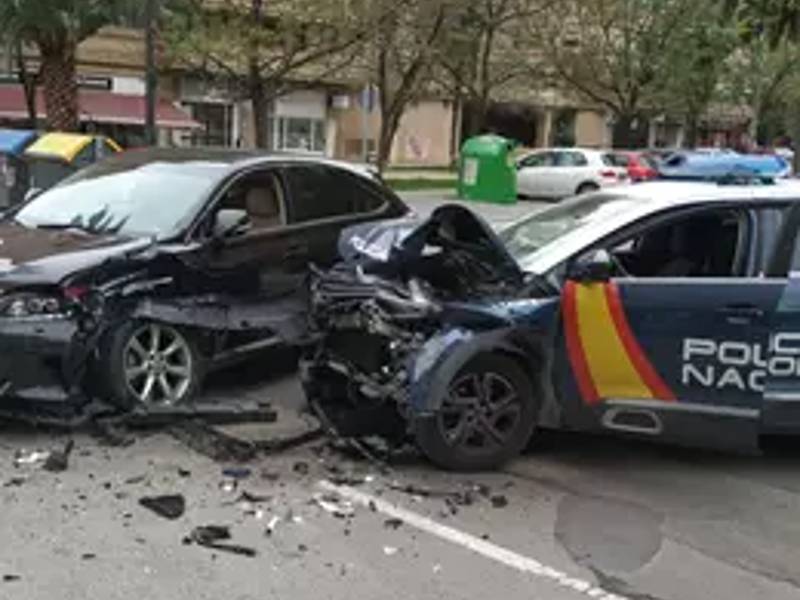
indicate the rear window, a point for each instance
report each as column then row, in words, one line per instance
column 648, row 161
column 616, row 160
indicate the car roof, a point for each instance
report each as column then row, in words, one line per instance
column 229, row 159
column 569, row 149
column 663, row 194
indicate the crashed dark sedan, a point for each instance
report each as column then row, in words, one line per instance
column 133, row 277
column 666, row 311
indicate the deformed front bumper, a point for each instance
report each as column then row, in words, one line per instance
column 35, row 359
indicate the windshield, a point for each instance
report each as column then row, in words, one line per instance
column 526, row 237
column 152, row 200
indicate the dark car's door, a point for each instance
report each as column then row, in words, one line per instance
column 322, row 201
column 247, row 271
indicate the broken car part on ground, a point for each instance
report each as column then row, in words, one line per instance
column 645, row 311
column 108, row 291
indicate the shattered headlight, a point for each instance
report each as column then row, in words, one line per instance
column 31, row 305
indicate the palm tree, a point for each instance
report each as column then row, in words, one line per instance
column 55, row 28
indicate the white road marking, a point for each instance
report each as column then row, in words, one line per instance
column 475, row 544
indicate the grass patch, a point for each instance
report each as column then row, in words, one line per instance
column 420, row 183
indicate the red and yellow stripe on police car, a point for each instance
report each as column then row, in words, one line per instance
column 606, row 358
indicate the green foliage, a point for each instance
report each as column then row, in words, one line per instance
column 56, row 23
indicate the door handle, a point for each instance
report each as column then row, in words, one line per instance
column 742, row 310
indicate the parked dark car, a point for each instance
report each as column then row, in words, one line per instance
column 134, row 276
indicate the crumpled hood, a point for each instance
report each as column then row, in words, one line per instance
column 402, row 239
column 46, row 257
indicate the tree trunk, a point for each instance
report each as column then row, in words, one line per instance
column 481, row 115
column 258, row 98
column 255, row 84
column 623, row 131
column 60, row 86
column 795, row 135
column 390, row 122
column 28, row 82
column 692, row 130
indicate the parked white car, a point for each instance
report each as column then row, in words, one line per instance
column 561, row 172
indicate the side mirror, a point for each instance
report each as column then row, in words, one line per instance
column 230, row 222
column 596, row 266
column 32, row 193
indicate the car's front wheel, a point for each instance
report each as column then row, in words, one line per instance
column 486, row 419
column 152, row 364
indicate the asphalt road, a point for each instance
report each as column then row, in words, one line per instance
column 498, row 215
column 576, row 517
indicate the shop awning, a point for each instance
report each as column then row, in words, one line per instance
column 100, row 107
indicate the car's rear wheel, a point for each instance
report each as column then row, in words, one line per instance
column 587, row 188
column 152, row 365
column 486, row 419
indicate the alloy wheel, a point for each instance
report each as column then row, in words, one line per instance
column 157, row 365
column 480, row 412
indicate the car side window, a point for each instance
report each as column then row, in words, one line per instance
column 540, row 159
column 321, row 192
column 261, row 196
column 571, row 159
column 706, row 244
column 769, row 224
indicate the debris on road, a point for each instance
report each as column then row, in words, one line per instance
column 135, row 480
column 393, row 523
column 238, row 473
column 251, row 498
column 273, row 522
column 284, row 444
column 301, row 467
column 211, row 536
column 58, row 461
column 499, row 501
column 334, row 505
column 34, row 457
column 213, row 443
column 170, row 507
column 229, row 485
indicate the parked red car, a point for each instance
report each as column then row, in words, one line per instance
column 641, row 166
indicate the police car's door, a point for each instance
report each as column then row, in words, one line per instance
column 675, row 350
column 781, row 409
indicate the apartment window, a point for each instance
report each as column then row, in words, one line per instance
column 297, row 134
column 217, row 121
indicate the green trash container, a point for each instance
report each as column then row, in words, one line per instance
column 486, row 170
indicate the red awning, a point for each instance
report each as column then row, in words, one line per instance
column 100, row 107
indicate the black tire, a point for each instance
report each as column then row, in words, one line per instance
column 116, row 353
column 433, row 434
column 587, row 188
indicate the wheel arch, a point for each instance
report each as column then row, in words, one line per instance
column 528, row 351
column 588, row 183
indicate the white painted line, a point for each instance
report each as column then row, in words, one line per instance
column 475, row 544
